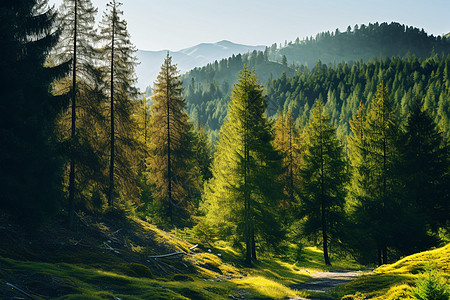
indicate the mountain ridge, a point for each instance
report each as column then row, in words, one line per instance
column 187, row 58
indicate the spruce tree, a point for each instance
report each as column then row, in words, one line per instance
column 171, row 167
column 379, row 206
column 425, row 167
column 76, row 19
column 324, row 177
column 244, row 192
column 118, row 57
column 31, row 166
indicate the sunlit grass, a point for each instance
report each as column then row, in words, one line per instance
column 266, row 287
column 396, row 280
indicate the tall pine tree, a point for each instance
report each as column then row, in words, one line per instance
column 171, row 166
column 324, row 177
column 378, row 184
column 244, row 192
column 118, row 57
column 425, row 168
column 77, row 19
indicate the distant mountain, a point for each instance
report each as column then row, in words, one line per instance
column 186, row 59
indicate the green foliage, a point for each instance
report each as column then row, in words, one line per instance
column 118, row 60
column 31, row 163
column 324, row 176
column 343, row 66
column 287, row 142
column 244, row 191
column 208, row 89
column 425, row 166
column 431, row 285
column 172, row 168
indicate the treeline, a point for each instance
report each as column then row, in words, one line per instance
column 343, row 87
column 363, row 42
column 382, row 195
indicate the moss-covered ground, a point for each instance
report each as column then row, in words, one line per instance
column 111, row 258
column 395, row 281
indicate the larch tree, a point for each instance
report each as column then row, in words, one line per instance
column 118, row 58
column 244, row 193
column 31, row 166
column 287, row 142
column 171, row 168
column 76, row 19
column 324, row 178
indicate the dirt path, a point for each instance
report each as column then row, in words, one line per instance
column 325, row 281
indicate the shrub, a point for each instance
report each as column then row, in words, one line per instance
column 431, row 286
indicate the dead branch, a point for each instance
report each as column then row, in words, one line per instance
column 167, row 265
column 108, row 247
column 174, row 253
column 168, row 255
column 21, row 291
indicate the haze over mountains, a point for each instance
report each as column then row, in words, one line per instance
column 186, row 59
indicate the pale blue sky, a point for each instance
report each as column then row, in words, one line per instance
column 178, row 24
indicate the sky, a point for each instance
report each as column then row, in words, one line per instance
column 179, row 24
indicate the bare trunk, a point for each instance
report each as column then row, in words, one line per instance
column 73, row 127
column 169, row 163
column 111, row 164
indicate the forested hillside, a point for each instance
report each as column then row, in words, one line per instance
column 362, row 42
column 344, row 87
column 207, row 88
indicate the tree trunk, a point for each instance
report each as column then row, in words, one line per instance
column 253, row 245
column 323, row 207
column 169, row 163
column 111, row 164
column 380, row 260
column 73, row 128
column 385, row 259
column 325, row 238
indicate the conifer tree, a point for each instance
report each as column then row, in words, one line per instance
column 425, row 167
column 76, row 19
column 380, row 185
column 358, row 153
column 324, row 176
column 286, row 141
column 244, row 191
column 171, row 168
column 203, row 152
column 118, row 56
column 30, row 172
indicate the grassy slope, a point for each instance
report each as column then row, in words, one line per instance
column 109, row 260
column 395, row 281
